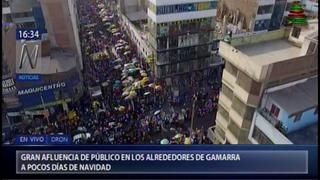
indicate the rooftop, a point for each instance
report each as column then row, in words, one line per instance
column 305, row 136
column 268, row 52
column 305, row 96
column 58, row 61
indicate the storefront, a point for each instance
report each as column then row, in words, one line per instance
column 55, row 89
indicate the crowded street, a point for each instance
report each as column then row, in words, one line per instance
column 123, row 103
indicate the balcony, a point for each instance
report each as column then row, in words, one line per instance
column 228, row 79
column 275, row 122
column 222, row 121
column 267, row 124
column 220, row 134
column 225, row 101
column 245, row 96
column 231, row 138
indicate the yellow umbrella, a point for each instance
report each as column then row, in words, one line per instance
column 158, row 87
column 145, row 80
column 187, row 140
column 133, row 93
column 177, row 136
column 137, row 84
column 121, row 108
column 143, row 83
column 95, row 104
column 152, row 85
column 72, row 114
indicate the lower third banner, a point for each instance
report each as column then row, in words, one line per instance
column 158, row 162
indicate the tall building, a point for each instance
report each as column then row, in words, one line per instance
column 60, row 60
column 251, row 16
column 63, row 25
column 181, row 35
column 260, row 70
column 25, row 14
column 129, row 7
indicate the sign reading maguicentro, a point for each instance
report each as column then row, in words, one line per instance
column 168, row 162
column 42, row 88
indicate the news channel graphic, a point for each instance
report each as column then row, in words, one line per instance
column 28, row 54
column 214, row 161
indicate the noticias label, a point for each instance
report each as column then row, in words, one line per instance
column 28, row 77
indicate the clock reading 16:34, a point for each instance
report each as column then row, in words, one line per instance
column 28, row 34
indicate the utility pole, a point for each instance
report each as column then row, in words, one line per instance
column 44, row 108
column 193, row 109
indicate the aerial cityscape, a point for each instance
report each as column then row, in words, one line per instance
column 161, row 71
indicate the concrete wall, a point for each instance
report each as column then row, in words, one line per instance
column 9, row 48
column 59, row 24
column 75, row 23
column 255, row 38
column 241, row 61
column 305, row 31
column 307, row 118
column 268, row 129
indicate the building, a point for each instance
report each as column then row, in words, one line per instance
column 251, row 16
column 254, row 65
column 6, row 11
column 25, row 14
column 287, row 115
column 311, row 8
column 133, row 9
column 59, row 67
column 133, row 17
column 63, row 27
column 181, row 35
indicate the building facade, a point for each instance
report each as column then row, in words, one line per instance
column 63, row 27
column 60, row 77
column 252, row 16
column 255, row 63
column 181, row 35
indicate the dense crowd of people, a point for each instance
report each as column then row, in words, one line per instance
column 132, row 107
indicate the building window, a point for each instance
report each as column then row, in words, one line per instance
column 266, row 9
column 311, row 48
column 231, row 69
column 297, row 117
column 261, row 25
column 275, row 111
column 227, row 91
column 288, row 6
column 296, row 32
column 260, row 137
